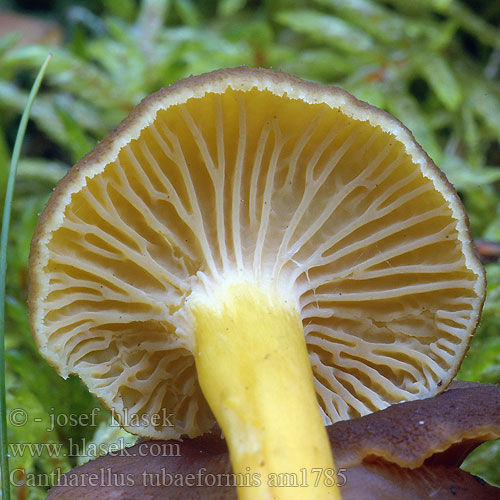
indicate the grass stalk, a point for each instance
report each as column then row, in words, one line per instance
column 4, row 447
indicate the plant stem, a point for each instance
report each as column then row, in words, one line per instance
column 4, row 447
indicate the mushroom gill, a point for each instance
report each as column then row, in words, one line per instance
column 258, row 250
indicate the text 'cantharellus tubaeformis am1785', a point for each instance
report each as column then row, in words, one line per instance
column 264, row 252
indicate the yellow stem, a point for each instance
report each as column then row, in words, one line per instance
column 254, row 371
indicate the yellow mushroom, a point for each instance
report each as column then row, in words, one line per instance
column 265, row 250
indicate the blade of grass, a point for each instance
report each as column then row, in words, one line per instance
column 4, row 460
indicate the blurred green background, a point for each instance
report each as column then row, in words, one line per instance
column 434, row 64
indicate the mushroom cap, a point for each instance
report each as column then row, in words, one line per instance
column 252, row 175
column 383, row 456
column 438, row 431
column 382, row 481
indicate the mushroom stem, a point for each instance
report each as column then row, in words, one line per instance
column 254, row 371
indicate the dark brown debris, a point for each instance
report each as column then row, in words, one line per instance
column 447, row 428
column 30, row 29
column 410, row 451
column 489, row 251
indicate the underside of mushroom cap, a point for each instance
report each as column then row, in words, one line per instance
column 254, row 176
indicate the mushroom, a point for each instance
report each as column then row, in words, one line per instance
column 409, row 451
column 258, row 250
